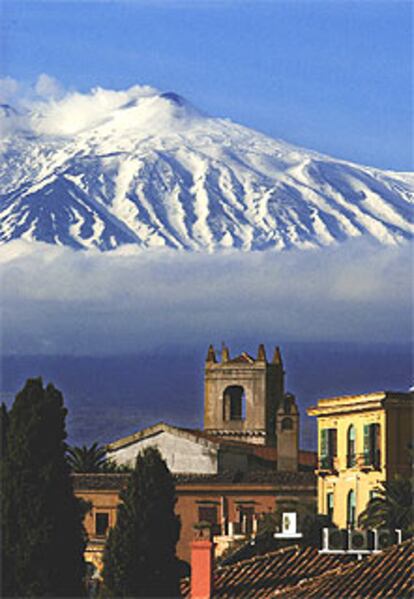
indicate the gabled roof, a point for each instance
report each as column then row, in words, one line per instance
column 269, row 454
column 162, row 427
column 244, row 358
column 262, row 575
column 387, row 574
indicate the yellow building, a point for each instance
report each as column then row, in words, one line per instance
column 362, row 440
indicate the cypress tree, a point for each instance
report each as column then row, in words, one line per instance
column 139, row 558
column 43, row 538
column 4, row 426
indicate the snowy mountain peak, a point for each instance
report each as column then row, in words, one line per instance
column 145, row 167
column 174, row 98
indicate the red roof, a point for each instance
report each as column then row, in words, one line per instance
column 262, row 575
column 306, row 458
column 303, row 573
column 387, row 574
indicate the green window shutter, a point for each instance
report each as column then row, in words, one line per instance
column 324, row 442
column 333, row 451
column 367, row 438
column 377, row 433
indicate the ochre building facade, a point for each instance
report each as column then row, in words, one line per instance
column 363, row 440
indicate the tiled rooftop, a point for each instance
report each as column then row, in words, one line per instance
column 261, row 576
column 271, row 477
column 387, row 574
column 99, row 482
column 112, row 481
column 295, row 573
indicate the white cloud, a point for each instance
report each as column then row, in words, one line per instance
column 47, row 108
column 48, row 87
column 60, row 301
column 8, row 89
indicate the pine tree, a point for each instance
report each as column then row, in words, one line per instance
column 139, row 559
column 42, row 532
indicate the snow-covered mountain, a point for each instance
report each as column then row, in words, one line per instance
column 147, row 168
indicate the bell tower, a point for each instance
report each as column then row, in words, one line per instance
column 287, row 434
column 242, row 395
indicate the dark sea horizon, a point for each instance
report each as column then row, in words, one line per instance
column 112, row 396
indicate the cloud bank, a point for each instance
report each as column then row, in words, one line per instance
column 56, row 300
column 46, row 108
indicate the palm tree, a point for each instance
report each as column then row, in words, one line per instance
column 392, row 507
column 87, row 459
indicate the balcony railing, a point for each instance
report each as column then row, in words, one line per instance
column 327, row 463
column 351, row 460
column 370, row 460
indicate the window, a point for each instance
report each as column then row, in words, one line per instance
column 351, row 457
column 330, row 505
column 351, row 509
column 101, row 523
column 371, row 455
column 287, row 424
column 234, row 403
column 246, row 516
column 373, row 494
column 328, row 448
column 208, row 513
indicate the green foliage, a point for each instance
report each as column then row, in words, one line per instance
column 42, row 533
column 139, row 559
column 92, row 459
column 392, row 507
column 87, row 459
column 4, row 426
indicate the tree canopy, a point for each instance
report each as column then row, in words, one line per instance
column 140, row 559
column 43, row 538
column 391, row 507
column 92, row 459
column 87, row 459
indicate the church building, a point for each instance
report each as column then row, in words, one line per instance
column 244, row 463
column 246, row 410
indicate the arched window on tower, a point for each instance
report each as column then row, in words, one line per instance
column 287, row 424
column 234, row 403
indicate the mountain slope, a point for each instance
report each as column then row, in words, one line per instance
column 153, row 171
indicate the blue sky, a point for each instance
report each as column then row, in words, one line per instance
column 335, row 76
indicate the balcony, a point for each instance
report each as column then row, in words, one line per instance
column 327, row 465
column 351, row 460
column 370, row 460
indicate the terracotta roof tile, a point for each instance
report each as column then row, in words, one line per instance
column 116, row 481
column 262, row 575
column 251, row 476
column 387, row 574
column 103, row 481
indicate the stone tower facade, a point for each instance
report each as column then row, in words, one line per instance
column 287, row 434
column 242, row 395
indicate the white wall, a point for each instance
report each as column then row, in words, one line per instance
column 182, row 455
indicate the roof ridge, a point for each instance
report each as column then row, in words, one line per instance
column 264, row 556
